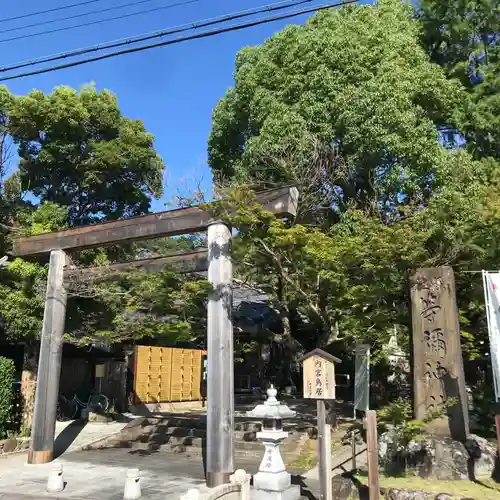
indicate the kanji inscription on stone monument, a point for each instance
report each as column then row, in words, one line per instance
column 438, row 371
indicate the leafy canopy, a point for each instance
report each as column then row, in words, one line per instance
column 347, row 107
column 78, row 151
column 353, row 109
column 350, row 282
column 87, row 163
column 463, row 37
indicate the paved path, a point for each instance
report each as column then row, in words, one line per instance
column 100, row 475
column 74, row 435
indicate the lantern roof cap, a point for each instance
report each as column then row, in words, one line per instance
column 271, row 408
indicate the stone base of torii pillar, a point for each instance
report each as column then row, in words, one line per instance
column 272, row 482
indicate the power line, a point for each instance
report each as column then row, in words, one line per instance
column 55, row 9
column 99, row 21
column 196, row 36
column 76, row 16
column 284, row 4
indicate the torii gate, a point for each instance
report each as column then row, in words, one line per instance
column 220, row 384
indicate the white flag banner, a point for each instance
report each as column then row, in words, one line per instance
column 491, row 282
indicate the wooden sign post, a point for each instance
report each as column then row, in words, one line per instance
column 372, row 451
column 319, row 383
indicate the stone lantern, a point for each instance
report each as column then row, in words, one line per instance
column 273, row 482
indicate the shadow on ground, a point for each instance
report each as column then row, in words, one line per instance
column 65, row 439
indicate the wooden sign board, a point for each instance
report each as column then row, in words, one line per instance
column 99, row 371
column 319, row 375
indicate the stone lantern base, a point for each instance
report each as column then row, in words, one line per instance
column 290, row 493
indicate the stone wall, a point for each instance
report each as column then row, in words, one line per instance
column 12, row 445
column 348, row 488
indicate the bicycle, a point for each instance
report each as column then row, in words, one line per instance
column 70, row 408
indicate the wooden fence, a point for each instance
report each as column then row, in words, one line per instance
column 165, row 374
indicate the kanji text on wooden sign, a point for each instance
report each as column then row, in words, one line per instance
column 319, row 374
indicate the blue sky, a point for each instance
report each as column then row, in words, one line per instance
column 172, row 89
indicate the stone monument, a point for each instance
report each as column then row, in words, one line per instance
column 438, row 372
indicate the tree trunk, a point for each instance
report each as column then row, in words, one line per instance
column 288, row 347
column 28, row 383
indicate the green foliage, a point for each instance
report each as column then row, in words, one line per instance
column 350, row 282
column 346, row 107
column 483, row 397
column 399, row 415
column 352, row 109
column 79, row 152
column 164, row 306
column 463, row 37
column 48, row 217
column 7, row 378
column 22, row 289
column 86, row 163
column 23, row 283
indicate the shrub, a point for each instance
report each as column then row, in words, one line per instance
column 399, row 414
column 483, row 396
column 7, row 378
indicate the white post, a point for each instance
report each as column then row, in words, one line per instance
column 55, row 483
column 220, row 370
column 132, row 490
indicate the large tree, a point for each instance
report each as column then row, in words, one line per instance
column 350, row 284
column 348, row 107
column 352, row 109
column 78, row 151
column 87, row 163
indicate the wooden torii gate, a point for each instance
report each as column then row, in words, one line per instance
column 220, row 384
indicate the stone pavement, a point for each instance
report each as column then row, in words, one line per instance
column 75, row 435
column 100, row 475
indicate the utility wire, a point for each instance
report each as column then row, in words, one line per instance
column 76, row 16
column 196, row 36
column 55, row 9
column 99, row 21
column 158, row 34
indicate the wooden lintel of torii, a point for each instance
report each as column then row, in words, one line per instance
column 189, row 262
column 282, row 202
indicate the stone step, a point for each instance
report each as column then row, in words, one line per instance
column 200, row 442
column 200, row 423
column 248, row 434
column 187, row 432
column 160, row 432
column 185, row 437
column 190, row 432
